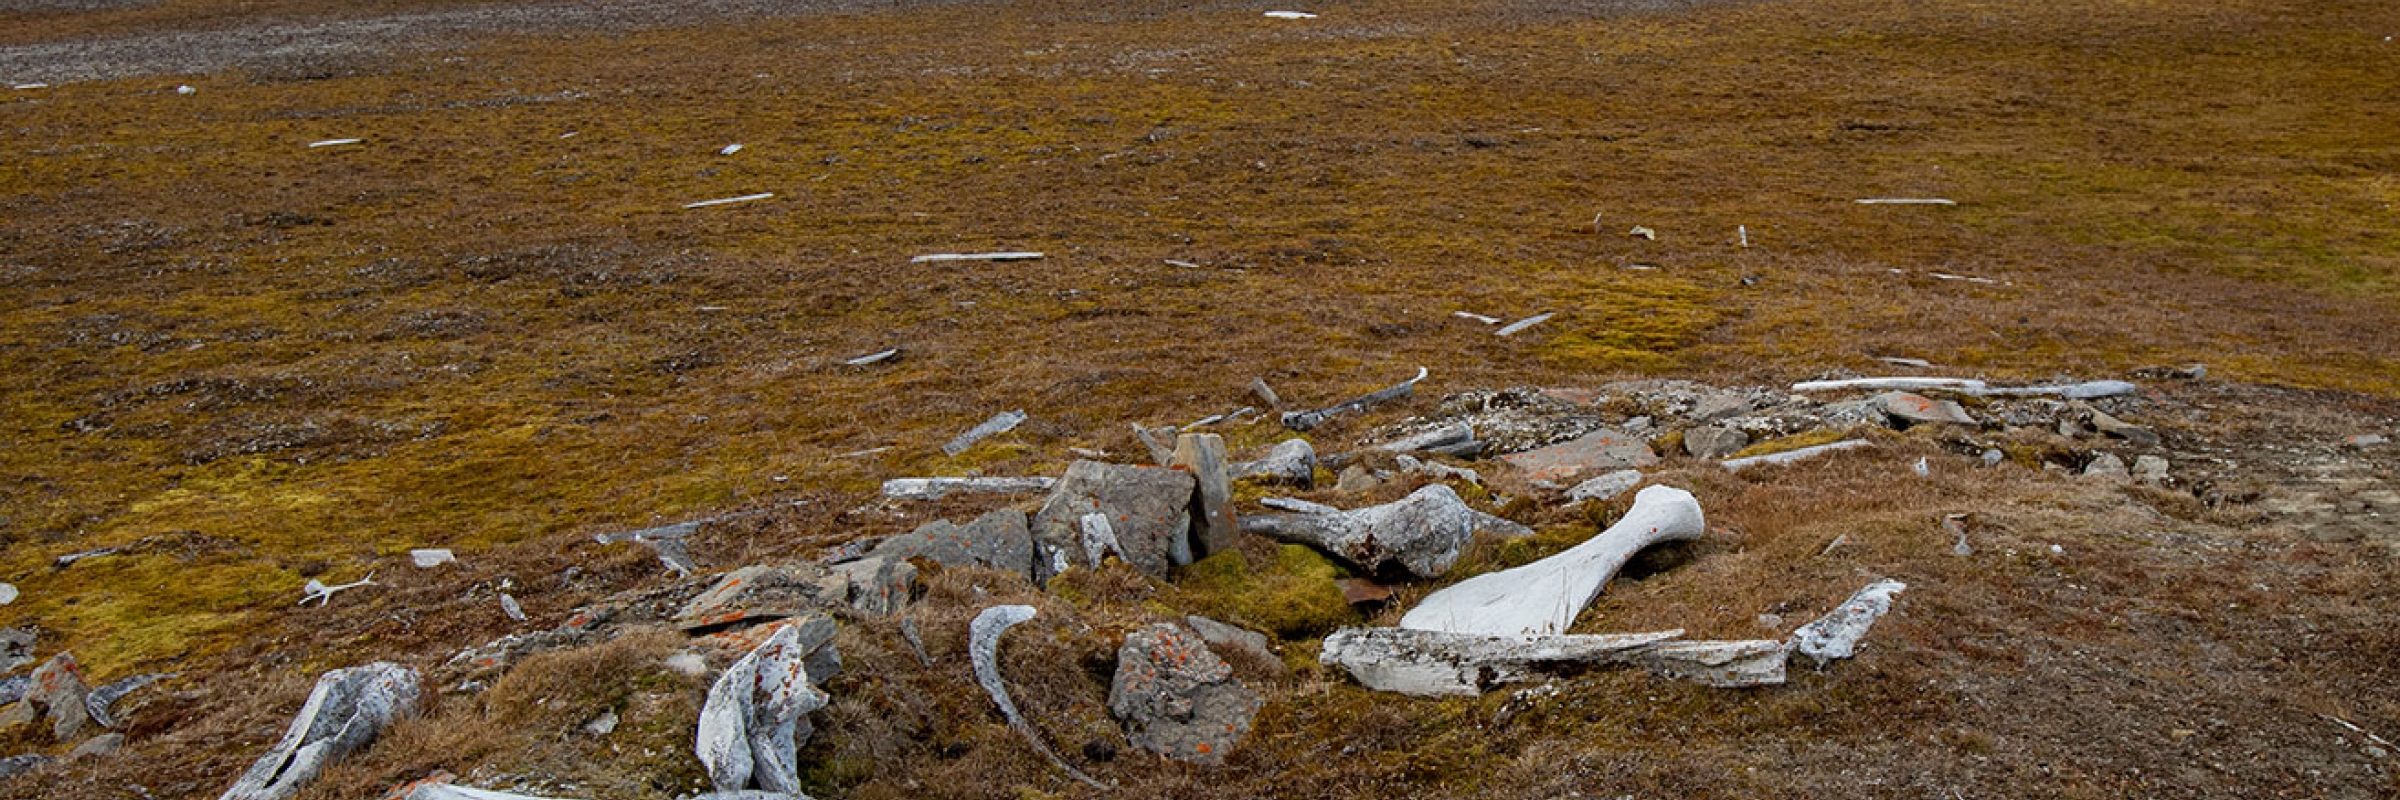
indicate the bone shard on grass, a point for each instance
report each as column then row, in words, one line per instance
column 1444, row 664
column 1000, row 423
column 1543, row 597
column 1304, row 420
column 1836, row 635
column 1789, row 456
column 937, row 488
column 934, row 258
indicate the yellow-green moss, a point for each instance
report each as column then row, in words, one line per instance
column 1294, row 596
column 1794, row 442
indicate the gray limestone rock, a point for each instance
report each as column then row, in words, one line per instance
column 347, row 710
column 16, row 648
column 1421, row 534
column 58, row 691
column 2107, row 466
column 1149, row 508
column 1606, row 486
column 1714, row 442
column 1213, row 526
column 1177, row 699
column 1721, row 405
column 880, row 587
column 1292, row 462
column 106, row 744
column 998, row 540
column 2150, row 469
column 1600, row 450
column 1233, row 639
column 1916, row 409
column 756, row 593
column 1356, row 478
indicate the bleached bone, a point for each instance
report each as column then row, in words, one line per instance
column 1890, row 384
column 886, row 354
column 1297, row 506
column 1897, row 361
column 1836, row 634
column 98, row 702
column 1304, row 420
column 1000, row 423
column 941, row 257
column 1789, row 456
column 1437, row 663
column 1543, row 597
column 936, row 488
column 432, row 557
column 1906, row 201
column 753, row 720
column 2086, row 390
column 730, row 200
column 1518, row 326
column 318, row 591
column 444, row 791
column 510, row 607
column 1290, row 15
column 1443, row 439
column 1476, row 317
column 332, row 143
column 347, row 709
column 983, row 648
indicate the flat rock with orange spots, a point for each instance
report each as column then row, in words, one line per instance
column 1177, row 699
column 1601, row 450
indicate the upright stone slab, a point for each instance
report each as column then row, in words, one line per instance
column 58, row 689
column 1177, row 699
column 1149, row 509
column 1213, row 526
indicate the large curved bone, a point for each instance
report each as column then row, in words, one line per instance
column 1543, row 597
column 1434, row 663
column 983, row 648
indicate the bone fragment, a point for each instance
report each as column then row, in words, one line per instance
column 1543, row 597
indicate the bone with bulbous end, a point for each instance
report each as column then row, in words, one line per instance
column 1543, row 597
column 1422, row 533
column 983, row 650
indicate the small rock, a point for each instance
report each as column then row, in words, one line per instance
column 1438, row 470
column 103, row 745
column 2365, row 440
column 1602, row 449
column 1721, row 405
column 602, row 725
column 430, row 558
column 1178, row 699
column 2107, row 466
column 688, row 664
column 16, row 648
column 1357, row 478
column 1919, row 409
column 1446, row 439
column 2150, row 469
column 1714, row 442
column 14, row 766
column 2101, row 421
column 1226, row 638
column 510, row 607
column 1363, row 592
column 1606, row 486
column 1992, row 457
column 58, row 691
column 880, row 587
column 8, row 593
column 1149, row 508
column 1292, row 462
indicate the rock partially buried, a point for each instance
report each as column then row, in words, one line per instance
column 1714, row 442
column 1421, row 534
column 1606, row 486
column 2107, row 467
column 1917, row 409
column 880, row 587
column 756, row 593
column 1543, row 597
column 1226, row 638
column 998, row 540
column 101, row 700
column 58, row 692
column 1599, row 450
column 1149, row 509
column 346, row 711
column 1176, row 698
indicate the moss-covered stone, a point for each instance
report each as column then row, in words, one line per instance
column 1293, row 596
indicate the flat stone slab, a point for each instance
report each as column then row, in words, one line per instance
column 1918, row 409
column 755, row 594
column 1600, row 450
column 998, row 540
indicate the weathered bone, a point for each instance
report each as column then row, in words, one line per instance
column 1789, row 456
column 983, row 648
column 1437, row 663
column 1543, row 597
column 1000, row 423
column 101, row 699
column 1422, row 533
column 345, row 711
column 937, row 488
column 318, row 591
column 1836, row 634
column 1304, row 420
column 755, row 715
column 2072, row 391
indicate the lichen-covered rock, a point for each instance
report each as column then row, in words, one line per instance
column 1917, row 409
column 16, row 648
column 58, row 691
column 347, row 709
column 1226, row 639
column 1421, row 534
column 100, row 701
column 1603, row 449
column 755, row 594
column 880, row 587
column 998, row 540
column 1149, row 508
column 1606, row 486
column 1714, row 442
column 1176, row 698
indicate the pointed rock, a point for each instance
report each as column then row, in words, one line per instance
column 1213, row 526
column 347, row 710
column 998, row 540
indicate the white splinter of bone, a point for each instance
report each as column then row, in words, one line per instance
column 1891, row 384
column 1544, row 596
column 333, row 143
column 1522, row 324
column 1789, row 456
column 1476, row 317
column 940, row 257
column 318, row 591
column 1290, row 15
column 1907, row 201
column 726, row 200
